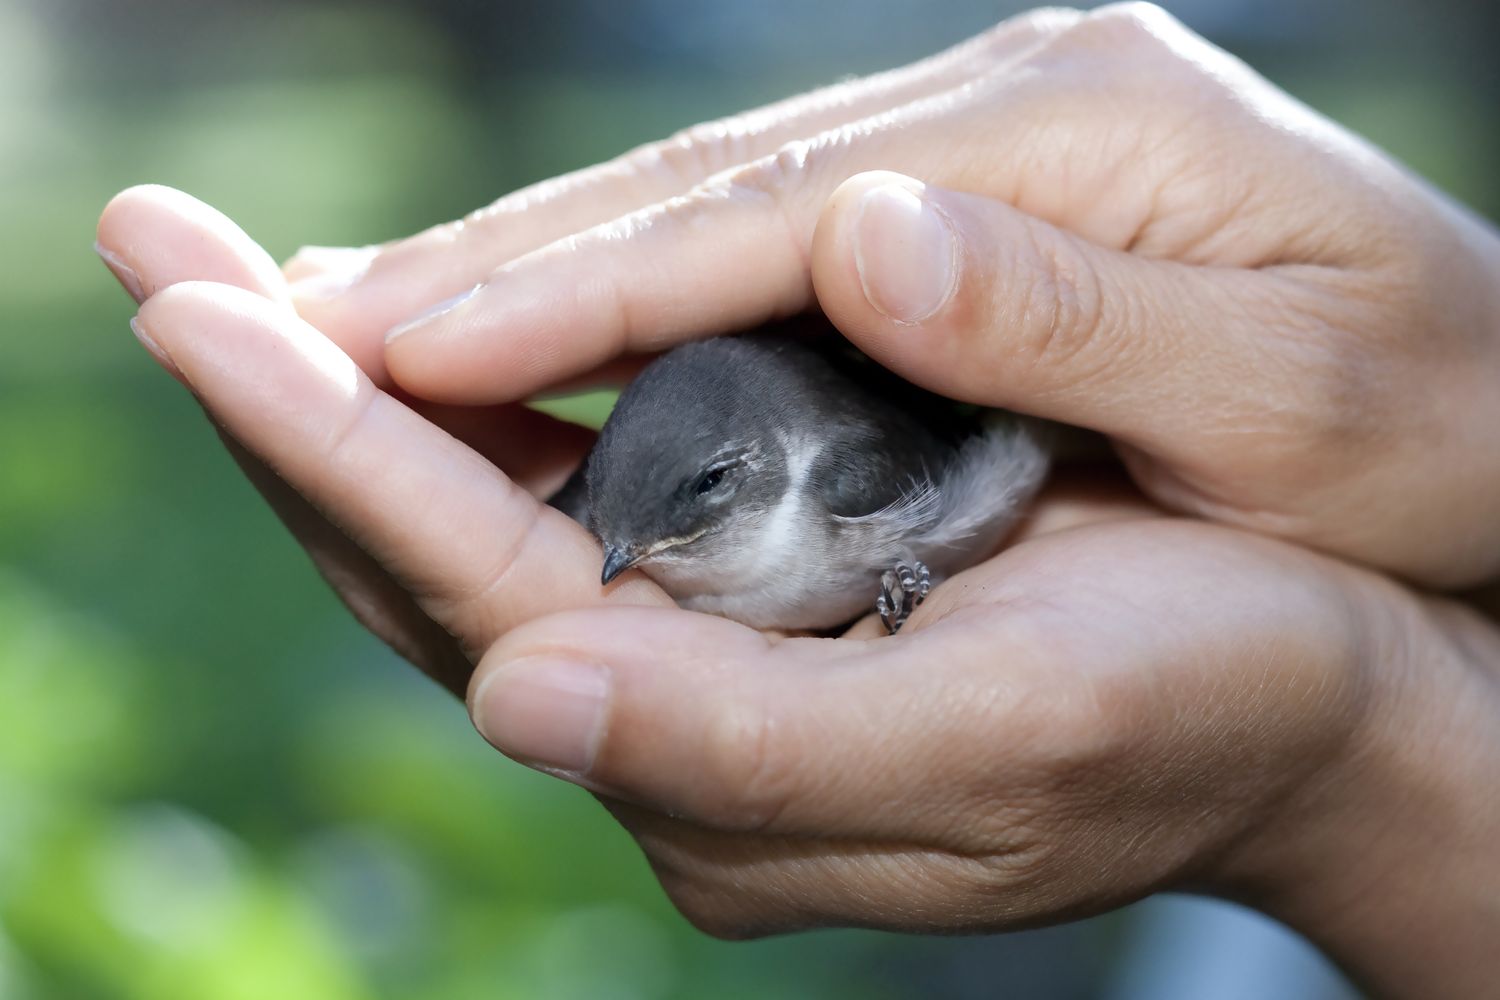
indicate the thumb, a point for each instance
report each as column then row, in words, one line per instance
column 701, row 718
column 976, row 300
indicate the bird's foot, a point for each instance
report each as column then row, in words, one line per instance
column 902, row 588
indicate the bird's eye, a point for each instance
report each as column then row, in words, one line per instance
column 711, row 478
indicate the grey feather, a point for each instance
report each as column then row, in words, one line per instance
column 971, row 503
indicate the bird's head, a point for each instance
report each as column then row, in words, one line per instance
column 686, row 470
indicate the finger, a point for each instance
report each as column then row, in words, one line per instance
column 537, row 452
column 155, row 237
column 424, row 273
column 152, row 237
column 734, row 251
column 358, row 299
column 480, row 554
column 971, row 298
column 729, row 255
column 701, row 718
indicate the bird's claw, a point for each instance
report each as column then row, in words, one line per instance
column 902, row 588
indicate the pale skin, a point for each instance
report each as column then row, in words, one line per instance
column 1273, row 323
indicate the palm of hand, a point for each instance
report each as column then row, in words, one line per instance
column 1058, row 730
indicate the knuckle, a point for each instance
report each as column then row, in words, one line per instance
column 687, row 156
column 784, row 185
column 1131, row 27
column 718, row 144
column 1136, row 54
column 1060, row 312
column 1000, row 41
column 778, row 173
column 1130, row 39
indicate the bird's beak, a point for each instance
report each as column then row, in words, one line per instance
column 616, row 561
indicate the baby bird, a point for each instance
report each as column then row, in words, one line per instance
column 784, row 480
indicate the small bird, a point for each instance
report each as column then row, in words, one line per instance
column 784, row 480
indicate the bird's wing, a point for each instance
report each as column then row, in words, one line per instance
column 883, row 537
column 970, row 505
column 909, row 514
column 858, row 476
column 987, row 485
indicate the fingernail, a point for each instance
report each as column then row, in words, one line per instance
column 157, row 351
column 432, row 313
column 548, row 713
column 904, row 250
column 122, row 272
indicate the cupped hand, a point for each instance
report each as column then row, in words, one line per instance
column 1118, row 704
column 289, row 402
column 1098, row 218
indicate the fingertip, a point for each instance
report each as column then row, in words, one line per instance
column 835, row 269
column 693, row 715
column 607, row 697
column 229, row 341
column 958, row 293
column 185, row 316
column 548, row 712
column 409, row 362
column 485, row 345
column 183, row 299
column 202, row 293
column 162, row 318
column 356, row 295
column 162, row 236
column 130, row 200
column 885, row 265
column 650, row 638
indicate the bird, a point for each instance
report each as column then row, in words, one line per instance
column 784, row 480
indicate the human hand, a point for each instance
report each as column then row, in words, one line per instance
column 1279, row 328
column 1104, row 710
column 154, row 237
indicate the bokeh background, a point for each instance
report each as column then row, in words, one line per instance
column 212, row 783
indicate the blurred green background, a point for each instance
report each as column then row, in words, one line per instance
column 212, row 782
